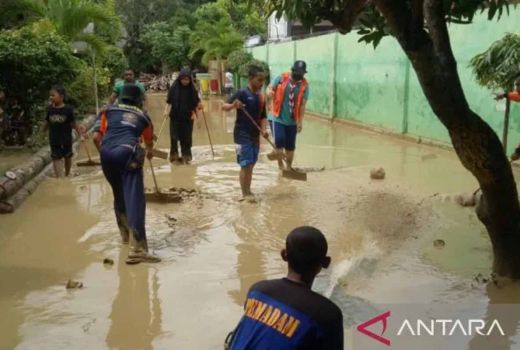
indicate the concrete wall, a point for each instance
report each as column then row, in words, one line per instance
column 351, row 80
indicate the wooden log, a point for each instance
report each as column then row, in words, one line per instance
column 9, row 205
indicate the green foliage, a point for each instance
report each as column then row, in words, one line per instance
column 80, row 91
column 215, row 40
column 31, row 61
column 115, row 61
column 69, row 18
column 372, row 26
column 237, row 59
column 498, row 66
column 137, row 15
column 257, row 63
column 170, row 45
column 240, row 61
column 15, row 13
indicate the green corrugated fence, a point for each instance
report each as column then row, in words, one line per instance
column 351, row 80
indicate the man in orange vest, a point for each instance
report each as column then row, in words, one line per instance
column 289, row 93
column 513, row 96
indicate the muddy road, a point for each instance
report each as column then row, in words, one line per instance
column 213, row 247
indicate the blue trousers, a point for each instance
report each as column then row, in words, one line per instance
column 284, row 135
column 127, row 187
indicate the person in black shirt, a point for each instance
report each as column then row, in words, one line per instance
column 182, row 103
column 246, row 134
column 60, row 122
column 285, row 314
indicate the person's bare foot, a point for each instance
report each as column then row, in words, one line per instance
column 249, row 198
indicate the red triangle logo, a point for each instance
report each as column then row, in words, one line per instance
column 383, row 318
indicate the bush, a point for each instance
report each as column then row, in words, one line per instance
column 237, row 59
column 80, row 92
column 115, row 61
column 31, row 62
column 240, row 61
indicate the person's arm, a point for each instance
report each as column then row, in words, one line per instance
column 302, row 109
column 115, row 94
column 272, row 87
column 100, row 128
column 75, row 126
column 233, row 103
column 167, row 110
column 302, row 114
column 169, row 102
column 113, row 98
column 514, row 96
column 147, row 136
column 263, row 122
column 46, row 124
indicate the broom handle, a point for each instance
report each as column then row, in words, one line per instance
column 161, row 130
column 153, row 176
column 87, row 150
column 209, row 136
column 257, row 126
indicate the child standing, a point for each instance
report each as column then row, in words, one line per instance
column 182, row 102
column 246, row 133
column 60, row 122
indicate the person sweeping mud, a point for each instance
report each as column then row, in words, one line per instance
column 60, row 121
column 182, row 104
column 285, row 313
column 513, row 96
column 122, row 159
column 289, row 93
column 246, row 135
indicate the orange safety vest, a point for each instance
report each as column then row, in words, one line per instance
column 514, row 96
column 279, row 96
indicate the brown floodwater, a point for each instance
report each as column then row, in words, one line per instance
column 214, row 247
column 11, row 158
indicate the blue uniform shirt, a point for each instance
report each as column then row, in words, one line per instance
column 284, row 315
column 245, row 131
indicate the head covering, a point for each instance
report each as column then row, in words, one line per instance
column 299, row 67
column 184, row 99
column 131, row 94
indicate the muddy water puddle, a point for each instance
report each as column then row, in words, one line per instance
column 213, row 247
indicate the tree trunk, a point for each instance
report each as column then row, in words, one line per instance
column 476, row 144
column 506, row 123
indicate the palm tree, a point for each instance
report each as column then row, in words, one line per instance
column 217, row 40
column 69, row 17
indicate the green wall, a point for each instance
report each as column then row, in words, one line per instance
column 351, row 80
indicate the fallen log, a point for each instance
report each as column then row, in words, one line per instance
column 9, row 205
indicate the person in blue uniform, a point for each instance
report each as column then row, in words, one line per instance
column 285, row 314
column 122, row 127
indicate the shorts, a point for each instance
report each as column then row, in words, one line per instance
column 247, row 154
column 61, row 151
column 284, row 135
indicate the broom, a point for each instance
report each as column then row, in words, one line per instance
column 88, row 162
column 289, row 173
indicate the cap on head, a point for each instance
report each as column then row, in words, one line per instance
column 299, row 67
column 131, row 94
column 306, row 249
